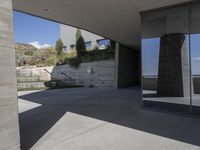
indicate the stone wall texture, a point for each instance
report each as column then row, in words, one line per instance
column 97, row 74
column 33, row 71
column 9, row 125
column 149, row 83
column 127, row 67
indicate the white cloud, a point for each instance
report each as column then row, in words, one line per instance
column 196, row 59
column 40, row 46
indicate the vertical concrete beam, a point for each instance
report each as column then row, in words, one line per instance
column 173, row 76
column 9, row 126
column 127, row 66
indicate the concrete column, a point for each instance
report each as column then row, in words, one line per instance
column 9, row 126
column 127, row 66
column 173, row 76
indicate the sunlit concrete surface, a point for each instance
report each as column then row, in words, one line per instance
column 102, row 119
column 25, row 105
column 151, row 96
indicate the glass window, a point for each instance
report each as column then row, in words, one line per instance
column 165, row 54
column 195, row 55
column 65, row 48
column 103, row 44
column 72, row 47
column 88, row 45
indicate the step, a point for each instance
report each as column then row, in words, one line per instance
column 31, row 85
column 22, row 79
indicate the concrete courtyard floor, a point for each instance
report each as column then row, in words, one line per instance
column 101, row 119
column 152, row 96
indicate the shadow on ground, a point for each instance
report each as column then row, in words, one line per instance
column 120, row 107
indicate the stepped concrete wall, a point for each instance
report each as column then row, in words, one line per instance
column 33, row 71
column 30, row 85
column 98, row 74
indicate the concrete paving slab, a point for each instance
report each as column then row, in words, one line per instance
column 151, row 96
column 102, row 119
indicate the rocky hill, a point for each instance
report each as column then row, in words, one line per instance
column 23, row 46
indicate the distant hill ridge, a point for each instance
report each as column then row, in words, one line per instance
column 23, row 46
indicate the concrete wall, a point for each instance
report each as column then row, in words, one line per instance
column 151, row 84
column 9, row 126
column 127, row 67
column 33, row 71
column 102, row 73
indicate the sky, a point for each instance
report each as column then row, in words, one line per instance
column 150, row 55
column 39, row 32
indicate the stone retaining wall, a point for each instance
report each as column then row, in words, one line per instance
column 97, row 74
column 33, row 71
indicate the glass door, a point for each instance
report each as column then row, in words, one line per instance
column 195, row 55
column 166, row 58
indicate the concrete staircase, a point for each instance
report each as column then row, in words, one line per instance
column 26, row 81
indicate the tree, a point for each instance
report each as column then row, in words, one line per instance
column 59, row 47
column 80, row 44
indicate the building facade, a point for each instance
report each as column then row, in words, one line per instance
column 92, row 41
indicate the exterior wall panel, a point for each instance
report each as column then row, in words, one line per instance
column 9, row 125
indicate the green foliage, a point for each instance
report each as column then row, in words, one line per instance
column 59, row 47
column 29, row 52
column 51, row 61
column 78, row 34
column 97, row 55
column 73, row 62
column 60, row 60
column 40, row 58
column 51, row 56
column 80, row 44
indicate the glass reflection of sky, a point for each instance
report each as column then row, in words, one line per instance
column 150, row 55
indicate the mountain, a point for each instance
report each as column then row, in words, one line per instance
column 23, row 46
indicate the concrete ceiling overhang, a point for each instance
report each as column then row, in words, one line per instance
column 118, row 20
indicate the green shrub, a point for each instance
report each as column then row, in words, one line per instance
column 59, row 47
column 73, row 62
column 80, row 44
column 51, row 61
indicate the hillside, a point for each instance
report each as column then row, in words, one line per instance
column 23, row 46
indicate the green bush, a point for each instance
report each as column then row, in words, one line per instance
column 59, row 47
column 73, row 62
column 51, row 61
column 50, row 57
column 97, row 55
column 80, row 44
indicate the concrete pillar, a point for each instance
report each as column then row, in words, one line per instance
column 173, row 76
column 9, row 126
column 127, row 66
